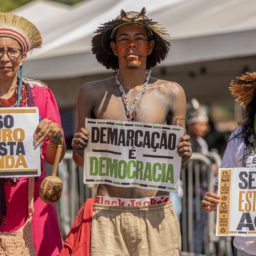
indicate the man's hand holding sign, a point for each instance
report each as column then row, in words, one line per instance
column 133, row 154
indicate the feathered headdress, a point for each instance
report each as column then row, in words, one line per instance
column 20, row 29
column 243, row 88
column 106, row 33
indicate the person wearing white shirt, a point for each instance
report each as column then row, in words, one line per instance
column 241, row 149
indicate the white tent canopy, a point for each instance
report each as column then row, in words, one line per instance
column 85, row 19
column 41, row 11
column 201, row 30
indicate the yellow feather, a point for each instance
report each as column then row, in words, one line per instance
column 23, row 26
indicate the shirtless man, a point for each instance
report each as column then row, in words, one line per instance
column 133, row 44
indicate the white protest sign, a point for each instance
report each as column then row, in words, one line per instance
column 236, row 211
column 18, row 155
column 132, row 154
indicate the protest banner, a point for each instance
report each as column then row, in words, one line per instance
column 236, row 211
column 18, row 156
column 132, row 154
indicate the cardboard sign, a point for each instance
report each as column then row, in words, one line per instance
column 236, row 211
column 132, row 154
column 18, row 155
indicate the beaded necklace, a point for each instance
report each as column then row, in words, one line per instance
column 131, row 111
column 13, row 100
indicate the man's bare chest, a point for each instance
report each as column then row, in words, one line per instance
column 151, row 109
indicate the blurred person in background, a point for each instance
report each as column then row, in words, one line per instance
column 216, row 140
column 240, row 150
column 197, row 127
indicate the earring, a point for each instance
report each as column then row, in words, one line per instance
column 20, row 76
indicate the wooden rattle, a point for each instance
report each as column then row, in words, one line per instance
column 51, row 187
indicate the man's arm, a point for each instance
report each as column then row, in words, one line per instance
column 178, row 105
column 84, row 110
column 178, row 108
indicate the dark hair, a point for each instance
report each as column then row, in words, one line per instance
column 247, row 125
column 104, row 35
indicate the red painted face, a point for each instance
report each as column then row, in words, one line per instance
column 132, row 46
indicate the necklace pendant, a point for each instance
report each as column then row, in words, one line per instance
column 132, row 110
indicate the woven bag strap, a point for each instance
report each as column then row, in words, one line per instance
column 31, row 184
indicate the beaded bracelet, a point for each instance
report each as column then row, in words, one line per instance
column 57, row 140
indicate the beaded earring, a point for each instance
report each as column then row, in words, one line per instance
column 20, row 75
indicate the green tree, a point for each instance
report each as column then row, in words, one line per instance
column 69, row 2
column 8, row 5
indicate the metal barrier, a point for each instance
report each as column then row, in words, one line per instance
column 197, row 174
column 74, row 192
column 198, row 227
